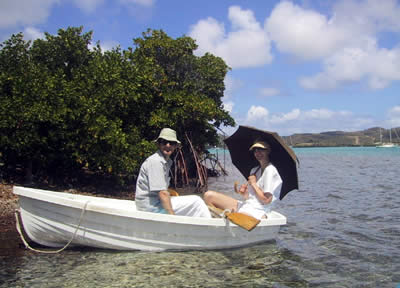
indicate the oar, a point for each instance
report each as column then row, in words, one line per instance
column 243, row 220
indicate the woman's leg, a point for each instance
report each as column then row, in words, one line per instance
column 220, row 200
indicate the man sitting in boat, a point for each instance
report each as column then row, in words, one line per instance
column 152, row 184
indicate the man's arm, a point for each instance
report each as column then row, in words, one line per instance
column 166, row 201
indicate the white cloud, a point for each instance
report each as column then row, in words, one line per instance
column 145, row 3
column 347, row 42
column 108, row 45
column 88, row 6
column 283, row 118
column 304, row 33
column 269, row 91
column 368, row 16
column 105, row 45
column 231, row 86
column 208, row 34
column 308, row 121
column 31, row 33
column 228, row 106
column 395, row 111
column 247, row 45
column 321, row 82
column 24, row 12
column 379, row 66
column 256, row 113
column 394, row 117
column 308, row 34
column 319, row 114
column 14, row 13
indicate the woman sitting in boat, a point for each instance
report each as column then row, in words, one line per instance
column 262, row 189
column 152, row 184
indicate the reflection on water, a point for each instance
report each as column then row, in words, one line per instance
column 343, row 231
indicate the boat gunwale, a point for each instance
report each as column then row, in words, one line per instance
column 80, row 201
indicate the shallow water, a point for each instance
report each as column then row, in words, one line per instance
column 343, row 231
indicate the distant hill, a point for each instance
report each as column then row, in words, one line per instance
column 369, row 137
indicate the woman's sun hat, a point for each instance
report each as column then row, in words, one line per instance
column 168, row 134
column 260, row 144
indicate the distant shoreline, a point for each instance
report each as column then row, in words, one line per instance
column 328, row 146
column 306, row 145
column 331, row 146
column 367, row 138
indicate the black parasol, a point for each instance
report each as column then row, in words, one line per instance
column 282, row 156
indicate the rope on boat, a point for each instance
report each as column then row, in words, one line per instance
column 223, row 214
column 48, row 251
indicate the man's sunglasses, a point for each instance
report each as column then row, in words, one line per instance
column 165, row 142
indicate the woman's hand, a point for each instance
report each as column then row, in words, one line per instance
column 235, row 186
column 264, row 197
column 244, row 191
column 252, row 179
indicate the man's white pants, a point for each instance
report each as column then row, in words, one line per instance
column 190, row 205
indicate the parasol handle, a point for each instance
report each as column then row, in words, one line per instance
column 258, row 168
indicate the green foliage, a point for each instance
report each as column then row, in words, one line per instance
column 64, row 107
column 186, row 90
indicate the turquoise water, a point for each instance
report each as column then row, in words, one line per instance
column 350, row 151
column 372, row 151
column 343, row 231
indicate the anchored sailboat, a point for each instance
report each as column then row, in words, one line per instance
column 386, row 145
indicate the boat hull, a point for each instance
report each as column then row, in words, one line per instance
column 390, row 145
column 54, row 218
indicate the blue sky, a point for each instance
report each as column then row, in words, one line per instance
column 297, row 66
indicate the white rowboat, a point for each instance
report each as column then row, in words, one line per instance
column 54, row 218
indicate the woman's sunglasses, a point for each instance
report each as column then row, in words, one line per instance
column 259, row 149
column 165, row 142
